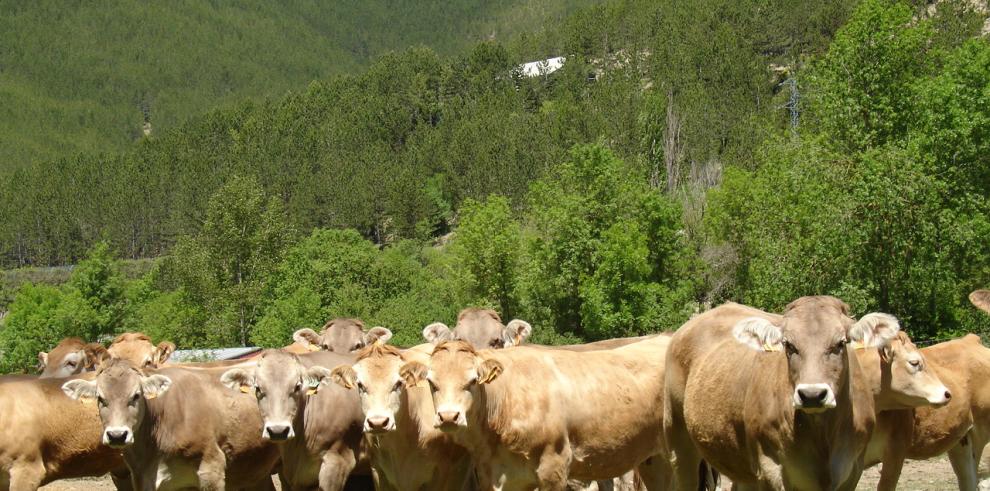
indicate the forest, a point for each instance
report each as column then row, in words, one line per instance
column 687, row 154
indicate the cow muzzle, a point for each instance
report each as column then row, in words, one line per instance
column 449, row 419
column 118, row 436
column 379, row 423
column 813, row 398
column 940, row 397
column 278, row 432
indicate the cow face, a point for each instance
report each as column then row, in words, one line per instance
column 342, row 336
column 906, row 379
column 121, row 394
column 812, row 335
column 376, row 376
column 455, row 375
column 137, row 348
column 71, row 357
column 279, row 382
column 482, row 328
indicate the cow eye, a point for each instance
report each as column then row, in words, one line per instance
column 497, row 343
column 361, row 388
column 101, row 402
column 433, row 385
column 357, row 347
column 70, row 364
column 790, row 349
column 298, row 387
column 259, row 394
column 914, row 363
column 134, row 399
column 397, row 386
column 837, row 348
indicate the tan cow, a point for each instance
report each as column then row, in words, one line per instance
column 534, row 417
column 70, row 357
column 407, row 451
column 482, row 328
column 772, row 401
column 317, row 423
column 45, row 436
column 961, row 428
column 341, row 336
column 179, row 428
column 137, row 348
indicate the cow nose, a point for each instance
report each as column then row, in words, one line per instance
column 378, row 423
column 812, row 396
column 948, row 395
column 277, row 432
column 117, row 437
column 448, row 417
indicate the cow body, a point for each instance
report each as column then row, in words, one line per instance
column 592, row 415
column 772, row 401
column 319, row 433
column 45, row 436
column 188, row 431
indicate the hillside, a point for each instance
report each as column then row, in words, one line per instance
column 83, row 77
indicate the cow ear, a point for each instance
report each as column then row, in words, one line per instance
column 981, row 299
column 759, row 334
column 437, row 332
column 517, row 330
column 80, row 390
column 874, row 330
column 238, row 379
column 344, row 376
column 314, row 377
column 307, row 338
column 164, row 351
column 489, row 370
column 155, row 385
column 42, row 360
column 413, row 373
column 377, row 334
column 96, row 354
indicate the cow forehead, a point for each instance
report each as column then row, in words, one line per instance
column 64, row 349
column 135, row 351
column 118, row 383
column 453, row 365
column 378, row 369
column 815, row 323
column 277, row 370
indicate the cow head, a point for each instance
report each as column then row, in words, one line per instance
column 455, row 375
column 482, row 328
column 813, row 333
column 137, row 348
column 376, row 376
column 342, row 336
column 70, row 357
column 981, row 299
column 121, row 392
column 279, row 382
column 905, row 379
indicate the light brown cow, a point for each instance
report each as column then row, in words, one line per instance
column 137, row 348
column 772, row 401
column 179, row 428
column 399, row 416
column 70, row 357
column 482, row 328
column 341, row 336
column 537, row 417
column 45, row 436
column 961, row 428
column 317, row 423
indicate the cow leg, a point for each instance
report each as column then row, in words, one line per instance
column 335, row 468
column 212, row 470
column 554, row 463
column 963, row 463
column 687, row 459
column 26, row 476
column 122, row 479
column 655, row 473
column 890, row 470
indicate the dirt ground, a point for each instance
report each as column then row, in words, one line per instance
column 928, row 475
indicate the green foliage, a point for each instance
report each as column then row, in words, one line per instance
column 488, row 245
column 607, row 258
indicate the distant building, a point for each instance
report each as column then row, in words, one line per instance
column 542, row 67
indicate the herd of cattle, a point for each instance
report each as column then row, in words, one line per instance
column 805, row 399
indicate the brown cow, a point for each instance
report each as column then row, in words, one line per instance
column 772, row 401
column 179, row 428
column 341, row 336
column 137, row 348
column 45, row 436
column 537, row 417
column 70, row 357
column 399, row 415
column 482, row 328
column 319, row 424
column 961, row 428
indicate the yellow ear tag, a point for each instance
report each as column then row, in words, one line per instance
column 312, row 347
column 770, row 347
column 150, row 396
column 858, row 345
column 88, row 400
column 310, row 391
column 245, row 389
